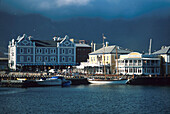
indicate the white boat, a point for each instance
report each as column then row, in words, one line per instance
column 54, row 81
column 103, row 81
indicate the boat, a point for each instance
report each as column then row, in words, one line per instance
column 107, row 81
column 53, row 81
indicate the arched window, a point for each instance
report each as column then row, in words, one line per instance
column 63, row 51
column 46, row 58
column 63, row 59
column 28, row 59
column 70, row 51
column 46, row 51
column 28, row 50
column 21, row 50
column 70, row 59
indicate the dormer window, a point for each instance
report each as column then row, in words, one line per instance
column 66, row 43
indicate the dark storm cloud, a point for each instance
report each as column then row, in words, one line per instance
column 61, row 9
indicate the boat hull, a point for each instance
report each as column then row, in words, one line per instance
column 107, row 81
column 56, row 82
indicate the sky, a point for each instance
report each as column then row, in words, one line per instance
column 106, row 9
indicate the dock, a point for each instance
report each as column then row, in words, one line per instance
column 149, row 81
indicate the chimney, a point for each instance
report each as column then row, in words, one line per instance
column 94, row 47
column 30, row 37
column 163, row 47
column 107, row 44
column 55, row 38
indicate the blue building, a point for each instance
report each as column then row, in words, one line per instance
column 28, row 54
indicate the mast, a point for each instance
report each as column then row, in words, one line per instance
column 117, row 60
column 104, row 55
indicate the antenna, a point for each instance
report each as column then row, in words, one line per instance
column 150, row 46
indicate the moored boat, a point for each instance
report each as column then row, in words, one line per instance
column 107, row 81
column 54, row 81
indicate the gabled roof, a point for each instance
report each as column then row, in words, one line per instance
column 111, row 50
column 165, row 50
column 45, row 43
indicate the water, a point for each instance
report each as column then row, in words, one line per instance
column 86, row 99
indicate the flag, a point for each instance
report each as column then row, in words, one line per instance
column 104, row 37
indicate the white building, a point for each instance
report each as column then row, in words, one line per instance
column 135, row 63
column 164, row 52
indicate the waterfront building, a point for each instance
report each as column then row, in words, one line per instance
column 82, row 51
column 105, row 57
column 135, row 63
column 28, row 54
column 164, row 53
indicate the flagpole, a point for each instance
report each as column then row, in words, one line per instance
column 104, row 56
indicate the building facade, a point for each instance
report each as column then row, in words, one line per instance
column 138, row 64
column 164, row 53
column 106, row 56
column 82, row 51
column 28, row 54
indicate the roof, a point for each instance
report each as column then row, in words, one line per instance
column 165, row 50
column 45, row 43
column 82, row 45
column 111, row 50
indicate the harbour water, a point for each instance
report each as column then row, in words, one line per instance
column 86, row 99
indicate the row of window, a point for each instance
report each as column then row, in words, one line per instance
column 139, row 70
column 100, row 58
column 22, row 50
column 40, row 59
column 40, row 51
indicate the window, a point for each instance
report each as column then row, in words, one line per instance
column 130, row 70
column 40, row 51
column 52, row 51
column 46, row 58
column 52, row 59
column 37, row 58
column 63, row 59
column 21, row 50
column 28, row 50
column 46, row 51
column 40, row 58
column 139, row 70
column 130, row 62
column 63, row 51
column 70, row 51
column 28, row 59
column 21, row 58
column 37, row 50
column 148, row 70
column 135, row 70
column 107, row 57
column 70, row 59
